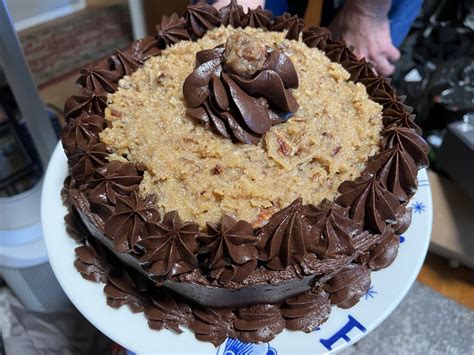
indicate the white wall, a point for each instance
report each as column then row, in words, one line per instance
column 28, row 13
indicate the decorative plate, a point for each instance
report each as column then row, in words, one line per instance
column 343, row 328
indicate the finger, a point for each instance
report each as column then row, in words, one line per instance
column 374, row 68
column 251, row 4
column 361, row 53
column 219, row 4
column 393, row 54
column 335, row 29
column 383, row 66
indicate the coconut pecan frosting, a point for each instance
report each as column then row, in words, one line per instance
column 306, row 257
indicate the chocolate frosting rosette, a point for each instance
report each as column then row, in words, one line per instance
column 241, row 89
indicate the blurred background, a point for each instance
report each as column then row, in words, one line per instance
column 58, row 37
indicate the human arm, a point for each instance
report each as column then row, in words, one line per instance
column 364, row 24
column 244, row 3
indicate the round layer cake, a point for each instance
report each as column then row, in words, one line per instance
column 237, row 175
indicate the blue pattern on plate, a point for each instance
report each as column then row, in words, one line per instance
column 342, row 333
column 370, row 292
column 423, row 182
column 236, row 347
column 402, row 239
column 418, row 207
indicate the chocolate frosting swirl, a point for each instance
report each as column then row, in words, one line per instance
column 316, row 37
column 400, row 119
column 171, row 30
column 114, row 179
column 284, row 240
column 333, row 230
column 99, row 78
column 364, row 241
column 121, row 290
column 293, row 24
column 262, row 322
column 409, row 141
column 389, row 100
column 80, row 131
column 403, row 219
column 200, row 18
column 130, row 223
column 383, row 253
column 338, row 52
column 171, row 246
column 359, row 69
column 69, row 183
column 396, row 171
column 233, row 14
column 369, row 202
column 349, row 285
column 374, row 83
column 74, row 226
column 213, row 325
column 166, row 312
column 91, row 266
column 129, row 60
column 86, row 159
column 258, row 18
column 241, row 90
column 87, row 101
column 230, row 250
column 306, row 311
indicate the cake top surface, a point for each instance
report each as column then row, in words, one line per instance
column 204, row 175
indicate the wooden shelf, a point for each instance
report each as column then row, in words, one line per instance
column 456, row 283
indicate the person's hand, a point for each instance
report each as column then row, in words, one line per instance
column 368, row 32
column 245, row 4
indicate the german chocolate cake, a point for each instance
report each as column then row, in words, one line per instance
column 236, row 174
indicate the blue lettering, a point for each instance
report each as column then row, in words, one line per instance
column 342, row 333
